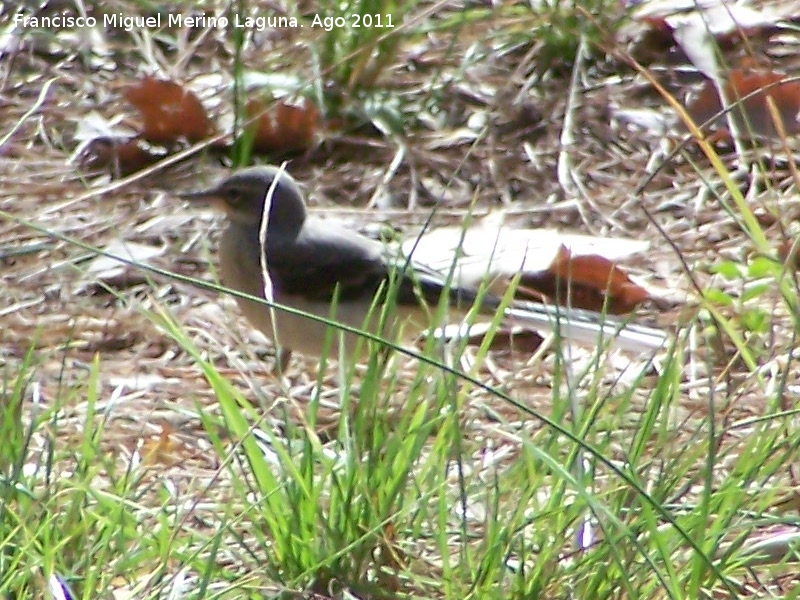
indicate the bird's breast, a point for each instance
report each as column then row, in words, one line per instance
column 240, row 262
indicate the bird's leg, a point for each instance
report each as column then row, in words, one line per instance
column 282, row 358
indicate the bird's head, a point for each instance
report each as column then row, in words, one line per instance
column 242, row 197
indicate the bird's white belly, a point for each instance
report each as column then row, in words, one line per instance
column 309, row 337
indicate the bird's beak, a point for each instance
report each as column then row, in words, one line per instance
column 211, row 197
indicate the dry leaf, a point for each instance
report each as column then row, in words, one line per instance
column 580, row 270
column 161, row 451
column 669, row 24
column 508, row 339
column 722, row 16
column 505, row 339
column 169, row 112
column 113, row 273
column 588, row 281
column 122, row 156
column 109, row 144
column 283, row 128
column 753, row 113
column 105, row 267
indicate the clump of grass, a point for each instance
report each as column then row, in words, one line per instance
column 360, row 40
column 417, row 497
column 55, row 516
column 618, row 501
column 72, row 510
column 549, row 34
column 560, row 27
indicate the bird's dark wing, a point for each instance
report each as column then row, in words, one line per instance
column 326, row 274
column 325, row 263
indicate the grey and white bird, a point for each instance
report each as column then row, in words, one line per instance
column 328, row 270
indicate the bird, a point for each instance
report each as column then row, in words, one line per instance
column 329, row 270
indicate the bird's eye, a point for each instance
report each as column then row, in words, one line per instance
column 234, row 195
